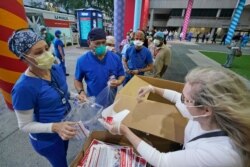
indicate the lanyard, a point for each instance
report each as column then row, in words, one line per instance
column 208, row 135
column 53, row 83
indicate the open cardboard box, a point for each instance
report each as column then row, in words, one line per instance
column 155, row 115
column 155, row 120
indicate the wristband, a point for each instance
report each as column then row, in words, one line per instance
column 80, row 91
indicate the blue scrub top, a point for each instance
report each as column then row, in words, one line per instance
column 138, row 59
column 38, row 94
column 96, row 72
column 58, row 42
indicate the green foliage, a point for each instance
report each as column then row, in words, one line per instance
column 241, row 65
column 104, row 5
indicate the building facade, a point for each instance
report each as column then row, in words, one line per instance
column 206, row 16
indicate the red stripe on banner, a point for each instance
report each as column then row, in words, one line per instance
column 12, row 64
column 6, row 86
column 144, row 14
column 129, row 16
column 17, row 9
column 5, row 33
column 57, row 23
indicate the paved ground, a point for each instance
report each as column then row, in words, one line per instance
column 15, row 149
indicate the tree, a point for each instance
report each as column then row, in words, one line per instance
column 104, row 5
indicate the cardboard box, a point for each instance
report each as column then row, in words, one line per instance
column 155, row 120
column 105, row 136
column 155, row 115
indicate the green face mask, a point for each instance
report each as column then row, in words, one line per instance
column 100, row 50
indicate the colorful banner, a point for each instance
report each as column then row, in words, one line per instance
column 144, row 14
column 129, row 15
column 235, row 20
column 119, row 13
column 187, row 18
column 137, row 15
column 12, row 16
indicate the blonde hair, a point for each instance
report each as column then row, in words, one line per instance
column 228, row 94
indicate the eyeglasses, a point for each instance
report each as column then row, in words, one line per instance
column 109, row 44
column 184, row 100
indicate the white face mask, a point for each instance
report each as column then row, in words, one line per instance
column 110, row 48
column 157, row 42
column 183, row 109
column 138, row 43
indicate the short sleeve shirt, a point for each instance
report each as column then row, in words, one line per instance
column 96, row 72
column 138, row 59
column 58, row 42
column 38, row 94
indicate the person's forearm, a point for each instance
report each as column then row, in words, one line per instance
column 159, row 91
column 125, row 64
column 132, row 138
column 61, row 52
column 121, row 79
column 78, row 85
column 148, row 68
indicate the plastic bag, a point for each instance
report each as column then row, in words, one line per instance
column 238, row 53
column 86, row 115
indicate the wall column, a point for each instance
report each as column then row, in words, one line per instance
column 119, row 12
column 151, row 21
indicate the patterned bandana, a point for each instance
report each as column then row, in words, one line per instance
column 22, row 40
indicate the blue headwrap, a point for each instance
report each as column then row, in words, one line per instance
column 22, row 41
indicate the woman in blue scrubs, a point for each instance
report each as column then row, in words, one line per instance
column 40, row 98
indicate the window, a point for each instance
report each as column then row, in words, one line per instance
column 226, row 12
column 176, row 12
column 161, row 16
column 204, row 12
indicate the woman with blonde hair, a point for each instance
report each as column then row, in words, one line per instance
column 216, row 102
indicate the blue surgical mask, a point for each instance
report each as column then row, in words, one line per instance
column 100, row 50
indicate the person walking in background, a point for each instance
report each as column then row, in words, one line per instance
column 207, row 36
column 214, row 38
column 223, row 39
column 244, row 40
column 162, row 55
column 216, row 103
column 197, row 37
column 180, row 37
column 59, row 50
column 40, row 98
column 48, row 37
column 203, row 37
column 137, row 59
column 235, row 45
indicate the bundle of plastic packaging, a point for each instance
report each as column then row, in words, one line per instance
column 107, row 96
column 86, row 115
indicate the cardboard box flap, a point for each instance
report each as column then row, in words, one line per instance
column 162, row 120
column 132, row 87
column 155, row 115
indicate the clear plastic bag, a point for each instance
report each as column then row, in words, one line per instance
column 86, row 115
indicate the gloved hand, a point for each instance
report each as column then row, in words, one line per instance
column 113, row 128
column 143, row 91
